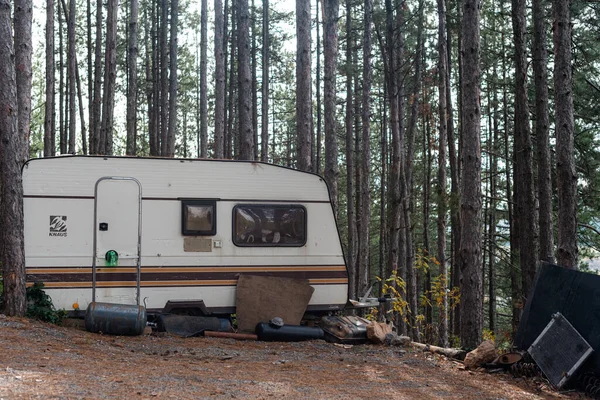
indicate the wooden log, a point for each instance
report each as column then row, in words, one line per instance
column 458, row 354
column 229, row 335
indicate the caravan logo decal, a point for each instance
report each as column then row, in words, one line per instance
column 58, row 225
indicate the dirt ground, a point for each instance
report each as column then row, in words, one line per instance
column 39, row 360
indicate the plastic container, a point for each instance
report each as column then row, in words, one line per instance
column 287, row 333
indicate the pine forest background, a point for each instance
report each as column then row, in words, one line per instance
column 444, row 129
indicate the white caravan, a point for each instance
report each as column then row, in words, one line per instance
column 180, row 231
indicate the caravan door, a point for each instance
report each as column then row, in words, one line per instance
column 117, row 240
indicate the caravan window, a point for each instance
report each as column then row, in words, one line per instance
column 198, row 217
column 269, row 225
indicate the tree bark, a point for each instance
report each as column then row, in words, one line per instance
column 426, row 203
column 151, row 78
column 441, row 184
column 219, row 80
column 232, row 88
column 412, row 273
column 163, row 86
column 61, row 86
column 71, row 66
column 95, row 125
column 454, row 187
column 523, row 155
column 542, row 133
column 246, row 134
column 203, row 78
column 303, row 86
column 110, row 77
column 394, row 191
column 352, row 249
column 84, row 148
column 365, row 161
column 23, row 50
column 12, row 254
column 49, row 115
column 318, row 150
column 254, row 85
column 132, row 56
column 470, row 199
column 565, row 163
column 173, row 84
column 90, row 73
column 330, row 39
column 264, row 142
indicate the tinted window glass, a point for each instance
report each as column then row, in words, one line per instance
column 269, row 225
column 198, row 217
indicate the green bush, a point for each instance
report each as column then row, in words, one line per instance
column 39, row 305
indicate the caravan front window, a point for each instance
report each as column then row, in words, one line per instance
column 198, row 217
column 269, row 225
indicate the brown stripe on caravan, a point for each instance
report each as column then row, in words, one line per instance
column 176, row 276
column 180, row 268
column 180, row 275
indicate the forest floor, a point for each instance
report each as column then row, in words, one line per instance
column 39, row 360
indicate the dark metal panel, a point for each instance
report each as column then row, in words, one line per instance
column 559, row 350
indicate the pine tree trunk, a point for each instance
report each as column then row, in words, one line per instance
column 404, row 233
column 12, row 256
column 71, row 65
column 203, row 78
column 49, row 116
column 23, row 50
column 132, row 56
column 365, row 160
column 492, row 212
column 515, row 282
column 303, row 86
column 394, row 191
column 412, row 273
column 246, row 134
column 84, row 148
column 219, row 80
column 456, row 175
column 454, row 189
column 426, row 203
column 150, row 60
column 110, row 77
column 470, row 199
column 565, row 163
column 95, row 125
column 264, row 142
column 61, row 85
column 254, row 85
column 542, row 132
column 318, row 160
column 526, row 212
column 90, row 73
column 163, row 86
column 350, row 192
column 441, row 184
column 330, row 38
column 383, row 235
column 229, row 153
column 173, row 84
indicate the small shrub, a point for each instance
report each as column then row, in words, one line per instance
column 39, row 305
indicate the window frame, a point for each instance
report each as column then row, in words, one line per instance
column 261, row 244
column 198, row 202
